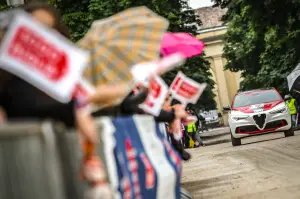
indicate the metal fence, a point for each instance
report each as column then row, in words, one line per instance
column 30, row 167
column 40, row 161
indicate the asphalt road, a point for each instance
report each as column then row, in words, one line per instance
column 266, row 166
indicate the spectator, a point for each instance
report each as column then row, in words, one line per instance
column 178, row 145
column 190, row 134
column 291, row 102
column 197, row 139
column 20, row 99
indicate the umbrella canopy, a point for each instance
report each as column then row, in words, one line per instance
column 121, row 41
column 294, row 79
column 181, row 43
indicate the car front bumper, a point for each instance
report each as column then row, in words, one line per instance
column 247, row 127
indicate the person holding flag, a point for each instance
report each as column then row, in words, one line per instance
column 19, row 99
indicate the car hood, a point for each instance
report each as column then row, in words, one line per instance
column 258, row 107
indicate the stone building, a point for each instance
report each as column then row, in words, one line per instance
column 211, row 33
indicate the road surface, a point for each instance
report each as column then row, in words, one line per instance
column 265, row 166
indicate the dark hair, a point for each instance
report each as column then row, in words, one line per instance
column 64, row 30
column 174, row 102
column 58, row 25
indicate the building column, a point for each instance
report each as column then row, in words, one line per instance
column 215, row 90
column 222, row 86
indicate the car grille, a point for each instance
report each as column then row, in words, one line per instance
column 276, row 124
column 260, row 120
column 271, row 126
column 245, row 129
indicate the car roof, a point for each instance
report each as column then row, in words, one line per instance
column 254, row 91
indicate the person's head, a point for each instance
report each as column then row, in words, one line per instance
column 47, row 15
column 175, row 102
column 190, row 108
column 287, row 97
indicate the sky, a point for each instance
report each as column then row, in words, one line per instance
column 200, row 3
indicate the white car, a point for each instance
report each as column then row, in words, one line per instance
column 258, row 112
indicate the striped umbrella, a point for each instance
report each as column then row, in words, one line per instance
column 121, row 41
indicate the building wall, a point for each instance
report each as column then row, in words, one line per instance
column 227, row 83
column 210, row 16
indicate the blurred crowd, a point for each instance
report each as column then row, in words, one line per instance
column 20, row 100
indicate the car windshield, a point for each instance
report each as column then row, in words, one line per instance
column 256, row 97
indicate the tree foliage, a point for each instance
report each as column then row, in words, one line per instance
column 79, row 14
column 262, row 40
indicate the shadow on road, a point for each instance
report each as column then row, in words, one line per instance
column 264, row 140
column 210, row 143
column 218, row 136
column 207, row 137
column 212, row 183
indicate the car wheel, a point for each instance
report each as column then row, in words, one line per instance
column 235, row 141
column 289, row 133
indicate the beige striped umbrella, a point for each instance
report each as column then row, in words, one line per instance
column 121, row 41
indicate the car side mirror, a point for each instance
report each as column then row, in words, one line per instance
column 227, row 108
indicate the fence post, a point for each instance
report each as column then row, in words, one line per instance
column 71, row 155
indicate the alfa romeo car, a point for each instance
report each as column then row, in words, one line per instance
column 258, row 112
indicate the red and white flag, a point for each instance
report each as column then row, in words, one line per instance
column 42, row 57
column 158, row 91
column 186, row 90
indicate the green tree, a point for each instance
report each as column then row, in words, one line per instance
column 262, row 40
column 78, row 15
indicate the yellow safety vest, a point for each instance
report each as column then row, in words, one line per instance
column 291, row 105
column 191, row 128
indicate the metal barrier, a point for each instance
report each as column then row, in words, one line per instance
column 71, row 157
column 30, row 167
column 41, row 160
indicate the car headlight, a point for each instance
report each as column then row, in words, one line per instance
column 237, row 118
column 282, row 110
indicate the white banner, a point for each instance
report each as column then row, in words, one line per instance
column 140, row 161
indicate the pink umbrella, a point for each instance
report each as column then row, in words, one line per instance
column 183, row 43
